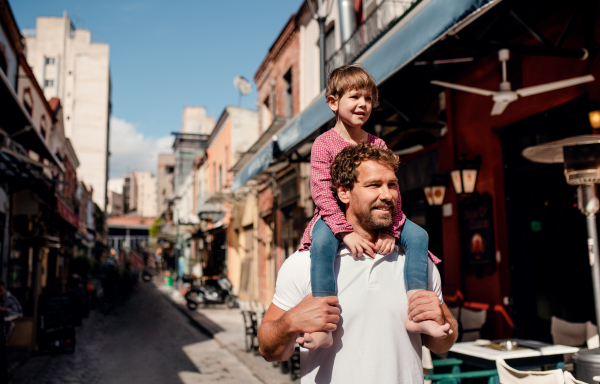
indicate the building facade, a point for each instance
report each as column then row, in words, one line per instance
column 69, row 66
column 166, row 168
column 498, row 245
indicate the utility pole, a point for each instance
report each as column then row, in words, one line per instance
column 320, row 15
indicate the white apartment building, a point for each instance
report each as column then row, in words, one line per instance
column 68, row 65
column 144, row 194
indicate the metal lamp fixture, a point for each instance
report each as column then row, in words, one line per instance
column 581, row 157
column 436, row 190
column 464, row 178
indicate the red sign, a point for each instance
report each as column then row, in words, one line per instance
column 66, row 213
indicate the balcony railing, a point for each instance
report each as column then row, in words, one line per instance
column 384, row 17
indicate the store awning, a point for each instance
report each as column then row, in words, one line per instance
column 424, row 25
column 17, row 124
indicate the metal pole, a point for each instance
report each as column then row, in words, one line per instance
column 588, row 203
column 595, row 265
column 321, row 20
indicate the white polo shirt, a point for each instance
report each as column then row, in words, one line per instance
column 371, row 344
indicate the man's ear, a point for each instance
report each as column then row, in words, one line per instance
column 343, row 194
column 333, row 103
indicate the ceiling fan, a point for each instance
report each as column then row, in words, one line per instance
column 506, row 95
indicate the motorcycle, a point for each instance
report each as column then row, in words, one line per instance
column 218, row 291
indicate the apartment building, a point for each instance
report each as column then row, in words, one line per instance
column 70, row 66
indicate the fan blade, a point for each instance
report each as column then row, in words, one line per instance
column 554, row 85
column 479, row 91
column 499, row 107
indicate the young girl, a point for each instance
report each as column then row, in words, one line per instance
column 351, row 94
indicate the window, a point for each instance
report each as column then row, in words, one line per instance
column 3, row 62
column 289, row 101
column 220, row 178
column 48, row 83
column 265, row 114
column 330, row 42
column 50, row 60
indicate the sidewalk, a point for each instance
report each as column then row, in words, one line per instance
column 226, row 326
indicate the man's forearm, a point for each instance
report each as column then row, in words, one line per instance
column 276, row 341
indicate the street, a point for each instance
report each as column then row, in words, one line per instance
column 144, row 339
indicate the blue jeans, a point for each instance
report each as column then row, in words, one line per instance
column 323, row 249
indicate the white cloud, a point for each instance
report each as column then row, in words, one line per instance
column 130, row 150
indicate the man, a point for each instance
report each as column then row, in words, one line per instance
column 11, row 308
column 370, row 341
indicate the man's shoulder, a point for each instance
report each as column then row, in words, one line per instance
column 298, row 258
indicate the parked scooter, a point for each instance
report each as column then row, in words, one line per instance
column 217, row 291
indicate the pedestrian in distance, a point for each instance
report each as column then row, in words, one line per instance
column 11, row 308
column 370, row 342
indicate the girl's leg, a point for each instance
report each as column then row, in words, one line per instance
column 322, row 276
column 415, row 241
column 322, row 256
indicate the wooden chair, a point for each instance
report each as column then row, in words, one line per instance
column 509, row 375
column 573, row 334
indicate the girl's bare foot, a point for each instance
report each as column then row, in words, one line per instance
column 316, row 340
column 429, row 327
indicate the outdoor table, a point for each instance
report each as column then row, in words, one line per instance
column 535, row 354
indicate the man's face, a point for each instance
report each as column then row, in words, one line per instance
column 374, row 198
column 354, row 107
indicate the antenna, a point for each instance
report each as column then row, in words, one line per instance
column 243, row 86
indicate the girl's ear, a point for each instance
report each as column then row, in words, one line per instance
column 333, row 103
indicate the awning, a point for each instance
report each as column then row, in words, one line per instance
column 67, row 213
column 425, row 24
column 17, row 123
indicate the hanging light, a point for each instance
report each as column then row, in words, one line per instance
column 436, row 190
column 465, row 177
column 594, row 115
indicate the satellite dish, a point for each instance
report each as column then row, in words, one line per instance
column 242, row 85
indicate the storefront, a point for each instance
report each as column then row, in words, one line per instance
column 518, row 243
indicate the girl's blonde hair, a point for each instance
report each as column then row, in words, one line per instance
column 351, row 77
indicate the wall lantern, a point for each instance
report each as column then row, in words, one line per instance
column 594, row 117
column 594, row 114
column 435, row 192
column 465, row 177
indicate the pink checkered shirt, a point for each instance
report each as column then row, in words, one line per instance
column 324, row 150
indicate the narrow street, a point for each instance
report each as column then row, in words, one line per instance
column 144, row 339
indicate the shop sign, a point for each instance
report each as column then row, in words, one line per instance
column 137, row 260
column 66, row 213
column 477, row 235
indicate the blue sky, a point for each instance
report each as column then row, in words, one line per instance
column 166, row 55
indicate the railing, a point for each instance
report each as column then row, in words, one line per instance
column 385, row 16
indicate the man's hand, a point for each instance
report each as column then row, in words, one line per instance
column 358, row 244
column 314, row 314
column 425, row 305
column 385, row 243
column 280, row 329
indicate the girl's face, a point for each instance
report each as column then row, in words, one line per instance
column 353, row 108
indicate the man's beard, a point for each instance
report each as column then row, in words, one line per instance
column 369, row 220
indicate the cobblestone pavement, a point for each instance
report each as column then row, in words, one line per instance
column 144, row 339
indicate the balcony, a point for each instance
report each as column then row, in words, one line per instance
column 384, row 17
